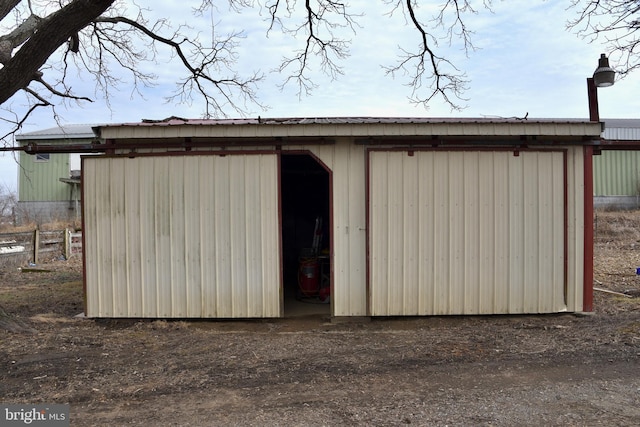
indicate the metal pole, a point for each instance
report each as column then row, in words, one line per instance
column 592, row 92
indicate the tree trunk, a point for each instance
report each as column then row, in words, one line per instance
column 57, row 29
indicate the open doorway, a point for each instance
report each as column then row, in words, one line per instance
column 306, row 238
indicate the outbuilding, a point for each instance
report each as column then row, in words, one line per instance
column 616, row 171
column 49, row 182
column 396, row 216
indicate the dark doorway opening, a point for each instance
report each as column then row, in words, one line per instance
column 306, row 238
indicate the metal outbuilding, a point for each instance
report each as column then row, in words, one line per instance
column 203, row 218
column 48, row 183
column 616, row 171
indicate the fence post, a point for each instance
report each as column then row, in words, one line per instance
column 67, row 243
column 36, row 246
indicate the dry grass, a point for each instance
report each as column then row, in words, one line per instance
column 50, row 226
column 616, row 258
column 619, row 227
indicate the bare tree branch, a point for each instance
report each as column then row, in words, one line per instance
column 200, row 64
column 44, row 40
column 8, row 204
column 429, row 73
column 321, row 21
column 104, row 36
column 99, row 39
column 18, row 121
column 18, row 36
column 615, row 21
column 55, row 92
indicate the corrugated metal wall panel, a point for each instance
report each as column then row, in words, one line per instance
column 40, row 180
column 349, row 207
column 182, row 236
column 621, row 133
column 616, row 173
column 347, row 164
column 466, row 233
column 575, row 228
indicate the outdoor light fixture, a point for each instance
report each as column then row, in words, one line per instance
column 604, row 75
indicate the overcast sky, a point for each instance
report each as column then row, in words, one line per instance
column 526, row 62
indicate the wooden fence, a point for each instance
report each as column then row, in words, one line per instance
column 38, row 246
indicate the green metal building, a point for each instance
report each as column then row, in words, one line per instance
column 49, row 184
column 616, row 171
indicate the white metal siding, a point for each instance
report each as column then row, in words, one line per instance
column 350, row 127
column 182, row 236
column 575, row 228
column 622, row 129
column 346, row 162
column 466, row 233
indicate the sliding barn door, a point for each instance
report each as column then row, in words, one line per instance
column 464, row 232
column 182, row 236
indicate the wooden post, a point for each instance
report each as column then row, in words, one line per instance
column 67, row 243
column 36, row 246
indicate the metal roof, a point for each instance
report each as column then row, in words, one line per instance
column 176, row 127
column 622, row 129
column 178, row 121
column 60, row 132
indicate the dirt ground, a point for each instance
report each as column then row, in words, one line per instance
column 570, row 370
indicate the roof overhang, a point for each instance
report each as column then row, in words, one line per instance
column 61, row 134
column 70, row 181
column 360, row 129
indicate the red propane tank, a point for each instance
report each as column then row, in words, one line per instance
column 308, row 276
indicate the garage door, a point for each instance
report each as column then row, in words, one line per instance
column 182, row 236
column 465, row 232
